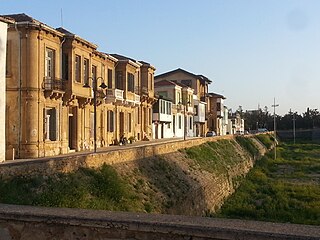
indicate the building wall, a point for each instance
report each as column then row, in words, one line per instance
column 3, row 52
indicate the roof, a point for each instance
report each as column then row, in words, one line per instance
column 22, row 18
column 6, row 19
column 147, row 64
column 216, row 95
column 121, row 57
column 72, row 35
column 124, row 58
column 199, row 76
column 166, row 83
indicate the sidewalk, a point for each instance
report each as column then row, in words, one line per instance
column 103, row 149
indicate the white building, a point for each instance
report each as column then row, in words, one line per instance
column 236, row 124
column 3, row 53
column 182, row 106
column 162, row 118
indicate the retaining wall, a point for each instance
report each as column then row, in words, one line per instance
column 69, row 163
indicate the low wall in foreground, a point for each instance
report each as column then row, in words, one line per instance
column 35, row 223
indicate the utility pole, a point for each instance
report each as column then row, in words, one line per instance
column 294, row 128
column 274, row 127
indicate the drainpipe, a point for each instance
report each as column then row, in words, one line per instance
column 19, row 89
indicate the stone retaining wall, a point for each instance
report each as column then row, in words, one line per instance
column 69, row 163
column 36, row 223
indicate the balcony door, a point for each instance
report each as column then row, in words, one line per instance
column 121, row 118
column 72, row 128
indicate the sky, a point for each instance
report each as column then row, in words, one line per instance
column 254, row 51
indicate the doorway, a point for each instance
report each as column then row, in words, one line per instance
column 72, row 141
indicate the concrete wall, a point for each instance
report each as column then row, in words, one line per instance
column 36, row 223
column 3, row 52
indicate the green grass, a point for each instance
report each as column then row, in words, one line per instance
column 266, row 140
column 248, row 145
column 282, row 190
column 215, row 157
column 85, row 188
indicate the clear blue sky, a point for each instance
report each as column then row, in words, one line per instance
column 253, row 50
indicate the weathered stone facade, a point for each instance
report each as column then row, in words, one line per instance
column 50, row 112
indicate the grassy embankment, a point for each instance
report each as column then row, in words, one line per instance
column 149, row 185
column 283, row 190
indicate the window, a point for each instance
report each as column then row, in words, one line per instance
column 196, row 110
column 189, row 100
column 151, row 81
column 78, row 69
column 50, row 124
column 163, row 93
column 110, row 78
column 49, row 64
column 156, row 107
column 186, row 82
column 129, row 122
column 103, row 71
column 119, row 82
column 168, row 125
column 162, row 106
column 65, row 66
column 130, row 82
column 138, row 115
column 168, row 108
column 150, row 116
column 94, row 72
column 180, row 121
column 218, row 106
column 190, row 123
column 178, row 100
column 86, row 71
column 110, row 119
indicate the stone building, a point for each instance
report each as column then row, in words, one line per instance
column 217, row 112
column 51, row 77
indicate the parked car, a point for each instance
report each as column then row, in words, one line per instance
column 210, row 134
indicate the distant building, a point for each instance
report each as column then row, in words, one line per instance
column 196, row 104
column 216, row 113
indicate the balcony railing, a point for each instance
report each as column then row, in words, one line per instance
column 137, row 98
column 54, row 84
column 114, row 95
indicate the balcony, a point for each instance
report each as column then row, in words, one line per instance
column 54, row 87
column 132, row 99
column 162, row 117
column 114, row 96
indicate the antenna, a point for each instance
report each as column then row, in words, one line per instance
column 61, row 15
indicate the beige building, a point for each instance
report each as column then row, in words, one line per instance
column 216, row 113
column 50, row 112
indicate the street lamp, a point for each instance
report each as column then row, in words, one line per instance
column 274, row 127
column 95, row 89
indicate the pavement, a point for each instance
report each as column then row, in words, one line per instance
column 105, row 149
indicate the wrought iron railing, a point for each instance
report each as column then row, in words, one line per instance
column 54, row 84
